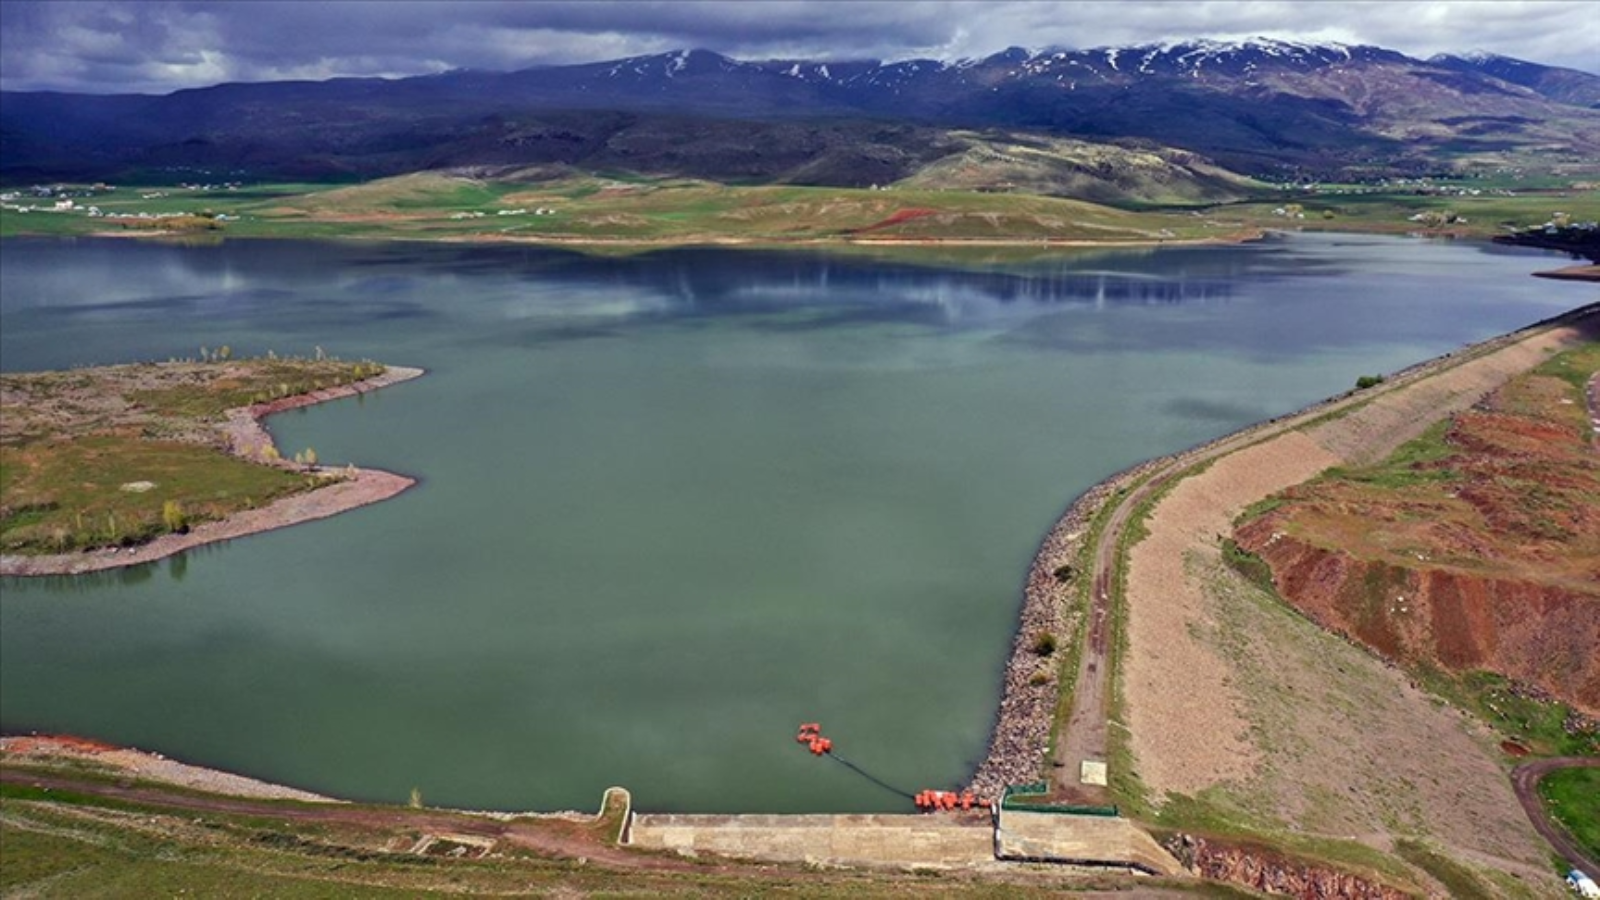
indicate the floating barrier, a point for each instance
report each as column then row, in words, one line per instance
column 947, row 801
column 810, row 734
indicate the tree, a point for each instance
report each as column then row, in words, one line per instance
column 173, row 518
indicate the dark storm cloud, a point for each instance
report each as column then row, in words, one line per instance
column 162, row 45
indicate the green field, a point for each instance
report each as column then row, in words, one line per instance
column 630, row 210
column 587, row 209
column 1485, row 215
column 1572, row 797
column 119, row 455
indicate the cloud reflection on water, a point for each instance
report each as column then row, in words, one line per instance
column 1291, row 294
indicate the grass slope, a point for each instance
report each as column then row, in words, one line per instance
column 73, row 844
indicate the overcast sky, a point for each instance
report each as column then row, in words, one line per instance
column 155, row 46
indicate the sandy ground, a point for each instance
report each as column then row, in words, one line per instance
column 1206, row 700
column 1573, row 273
column 148, row 766
column 1188, row 728
column 351, row 488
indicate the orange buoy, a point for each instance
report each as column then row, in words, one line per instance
column 827, row 745
column 966, row 799
column 949, row 800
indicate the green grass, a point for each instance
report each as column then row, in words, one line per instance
column 1412, row 463
column 71, row 497
column 60, row 845
column 1486, row 215
column 1462, row 883
column 631, row 207
column 1538, row 725
column 1572, row 797
column 640, row 208
column 1258, row 509
column 66, row 858
column 1254, row 569
column 1575, row 366
column 75, row 444
column 261, row 381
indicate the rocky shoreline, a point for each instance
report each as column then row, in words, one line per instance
column 247, row 438
column 1020, row 740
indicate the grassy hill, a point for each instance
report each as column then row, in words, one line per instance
column 561, row 205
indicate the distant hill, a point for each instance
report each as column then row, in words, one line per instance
column 1561, row 85
column 1261, row 107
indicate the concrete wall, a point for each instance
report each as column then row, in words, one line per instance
column 932, row 841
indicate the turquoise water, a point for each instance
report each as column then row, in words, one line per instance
column 670, row 506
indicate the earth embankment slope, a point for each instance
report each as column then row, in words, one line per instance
column 1234, row 700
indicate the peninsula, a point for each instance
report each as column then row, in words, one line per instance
column 121, row 465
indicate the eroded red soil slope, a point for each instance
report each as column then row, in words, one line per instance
column 1477, row 547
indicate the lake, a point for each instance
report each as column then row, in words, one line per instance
column 670, row 505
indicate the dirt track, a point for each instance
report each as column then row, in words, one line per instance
column 1525, row 781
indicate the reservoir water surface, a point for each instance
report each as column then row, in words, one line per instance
column 673, row 504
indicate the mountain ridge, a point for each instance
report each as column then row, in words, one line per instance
column 1264, row 107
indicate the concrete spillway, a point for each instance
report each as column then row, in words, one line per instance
column 956, row 841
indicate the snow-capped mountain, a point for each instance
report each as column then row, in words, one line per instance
column 1568, row 86
column 1260, row 105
